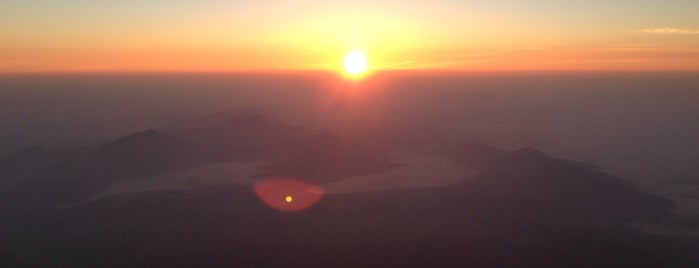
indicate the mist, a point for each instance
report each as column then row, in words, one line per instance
column 397, row 160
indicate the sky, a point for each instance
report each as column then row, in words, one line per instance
column 217, row 35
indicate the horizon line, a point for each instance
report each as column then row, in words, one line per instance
column 369, row 73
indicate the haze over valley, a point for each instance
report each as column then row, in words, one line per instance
column 404, row 168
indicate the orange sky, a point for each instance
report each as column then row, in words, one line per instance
column 213, row 35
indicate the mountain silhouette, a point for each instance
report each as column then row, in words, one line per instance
column 239, row 128
column 528, row 180
column 522, row 207
column 76, row 174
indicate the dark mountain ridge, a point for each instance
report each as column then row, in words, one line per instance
column 522, row 208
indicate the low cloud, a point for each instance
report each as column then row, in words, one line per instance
column 668, row 30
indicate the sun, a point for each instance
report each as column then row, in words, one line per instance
column 355, row 62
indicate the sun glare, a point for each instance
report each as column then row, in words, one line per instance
column 355, row 62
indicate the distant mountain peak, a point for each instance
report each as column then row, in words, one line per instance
column 210, row 120
column 238, row 129
column 531, row 154
column 149, row 135
column 475, row 154
column 144, row 142
column 253, row 118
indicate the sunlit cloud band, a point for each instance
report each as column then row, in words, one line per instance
column 668, row 30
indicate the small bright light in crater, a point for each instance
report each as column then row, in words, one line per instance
column 288, row 199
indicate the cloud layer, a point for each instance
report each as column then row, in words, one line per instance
column 668, row 30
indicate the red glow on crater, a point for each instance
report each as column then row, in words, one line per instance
column 288, row 194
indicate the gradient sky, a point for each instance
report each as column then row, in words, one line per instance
column 217, row 35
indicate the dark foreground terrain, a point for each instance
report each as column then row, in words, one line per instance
column 411, row 171
column 227, row 226
column 519, row 208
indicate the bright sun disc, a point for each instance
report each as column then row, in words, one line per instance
column 355, row 62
